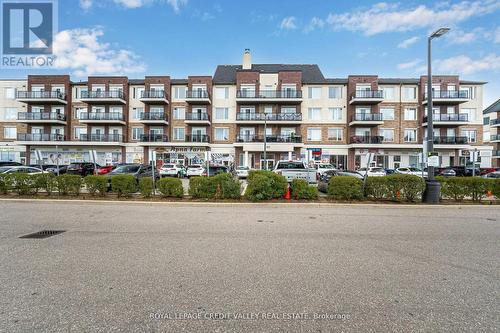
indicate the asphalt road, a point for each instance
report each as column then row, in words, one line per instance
column 249, row 268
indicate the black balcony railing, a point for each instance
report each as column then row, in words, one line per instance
column 450, row 140
column 101, row 116
column 101, row 137
column 102, row 94
column 496, row 153
column 495, row 121
column 284, row 94
column 160, row 94
column 451, row 94
column 41, row 116
column 269, row 117
column 377, row 94
column 40, row 95
column 197, row 116
column 153, row 116
column 367, row 139
column 40, row 137
column 197, row 138
column 494, row 137
column 269, row 138
column 154, row 138
column 367, row 117
column 462, row 117
column 197, row 94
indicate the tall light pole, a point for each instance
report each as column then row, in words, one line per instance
column 433, row 187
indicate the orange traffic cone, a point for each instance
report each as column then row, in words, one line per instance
column 288, row 195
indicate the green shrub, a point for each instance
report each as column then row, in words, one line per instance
column 24, row 184
column 68, row 184
column 171, row 187
column 197, row 186
column 96, row 184
column 478, row 187
column 265, row 185
column 345, row 188
column 405, row 187
column 6, row 184
column 495, row 188
column 302, row 190
column 376, row 188
column 46, row 182
column 222, row 186
column 146, row 187
column 123, row 185
column 455, row 188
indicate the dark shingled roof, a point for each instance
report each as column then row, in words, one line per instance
column 398, row 81
column 226, row 74
column 336, row 81
column 179, row 81
column 494, row 107
column 472, row 82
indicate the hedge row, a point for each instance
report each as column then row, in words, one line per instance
column 475, row 188
column 222, row 186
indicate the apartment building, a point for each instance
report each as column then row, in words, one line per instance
column 491, row 121
column 226, row 117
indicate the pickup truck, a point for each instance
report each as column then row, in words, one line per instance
column 295, row 170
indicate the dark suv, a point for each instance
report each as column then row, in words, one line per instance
column 81, row 168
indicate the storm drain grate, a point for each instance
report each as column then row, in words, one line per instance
column 43, row 234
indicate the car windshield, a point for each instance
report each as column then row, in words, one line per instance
column 377, row 170
column 126, row 169
column 194, row 166
column 242, row 168
column 291, row 165
column 168, row 166
column 326, row 166
column 3, row 169
column 415, row 169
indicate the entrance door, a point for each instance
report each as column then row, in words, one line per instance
column 270, row 164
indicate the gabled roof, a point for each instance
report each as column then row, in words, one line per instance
column 226, row 74
column 494, row 107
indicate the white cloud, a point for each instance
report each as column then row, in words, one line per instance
column 315, row 22
column 81, row 52
column 463, row 64
column 131, row 3
column 410, row 64
column 177, row 4
column 288, row 23
column 383, row 17
column 407, row 42
column 85, row 4
column 462, row 37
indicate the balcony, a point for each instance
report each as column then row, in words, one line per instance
column 367, row 97
column 153, row 118
column 101, row 118
column 366, row 119
column 114, row 96
column 445, row 119
column 269, row 96
column 366, row 139
column 198, row 97
column 104, row 138
column 269, row 138
column 272, row 118
column 494, row 138
column 201, row 138
column 496, row 154
column 450, row 140
column 53, row 97
column 495, row 122
column 154, row 97
column 40, row 138
column 153, row 139
column 41, row 118
column 448, row 97
column 197, row 118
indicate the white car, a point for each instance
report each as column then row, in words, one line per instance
column 242, row 171
column 412, row 171
column 21, row 169
column 195, row 170
column 323, row 167
column 372, row 172
column 170, row 169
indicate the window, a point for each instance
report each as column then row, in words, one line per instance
column 335, row 92
column 179, row 113
column 136, row 113
column 335, row 134
column 79, row 131
column 78, row 112
column 409, row 93
column 221, row 134
column 314, row 114
column 471, row 114
column 137, row 133
column 388, row 134
column 410, row 114
column 10, row 114
column 471, row 135
column 314, row 134
column 180, row 92
column 486, row 136
column 221, row 113
column 314, row 92
column 388, row 93
column 387, row 113
column 486, row 120
column 138, row 92
column 115, row 109
column 179, row 133
column 9, row 132
column 335, row 114
column 10, row 93
column 288, row 110
column 410, row 135
column 471, row 92
column 222, row 92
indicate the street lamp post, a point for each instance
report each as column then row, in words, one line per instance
column 265, row 140
column 433, row 187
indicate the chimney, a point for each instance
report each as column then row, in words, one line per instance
column 247, row 59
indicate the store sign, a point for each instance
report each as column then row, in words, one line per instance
column 315, row 151
column 433, row 159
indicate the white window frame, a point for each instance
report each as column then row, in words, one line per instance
column 222, row 92
column 225, row 130
column 381, row 133
column 225, row 112
column 314, row 92
column 406, row 110
column 314, row 114
column 414, row 130
column 388, row 108
column 310, row 130
column 137, row 132
column 335, row 114
column 10, row 132
column 334, row 92
column 177, row 137
column 338, row 136
column 179, row 113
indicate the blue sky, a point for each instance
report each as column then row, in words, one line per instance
column 191, row 37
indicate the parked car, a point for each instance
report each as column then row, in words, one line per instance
column 43, row 166
column 323, row 167
column 21, row 169
column 390, row 171
column 173, row 170
column 412, row 171
column 9, row 163
column 217, row 169
column 447, row 173
column 105, row 169
column 62, row 170
column 242, row 172
column 136, row 170
column 81, row 168
column 492, row 175
column 324, row 179
column 372, row 172
column 195, row 170
column 485, row 171
column 295, row 170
